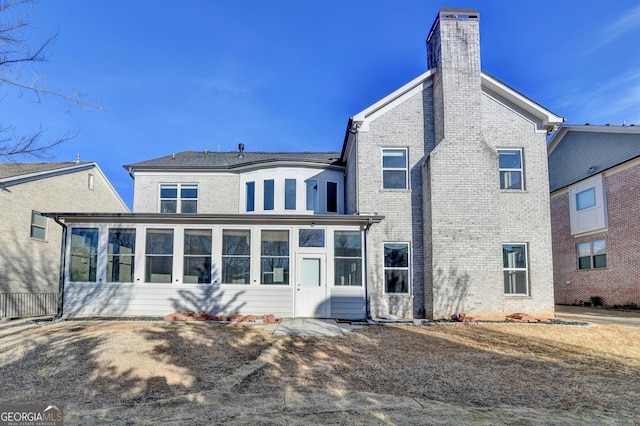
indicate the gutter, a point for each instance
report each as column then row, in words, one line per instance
column 62, row 268
column 366, row 273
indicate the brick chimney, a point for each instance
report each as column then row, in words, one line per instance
column 453, row 49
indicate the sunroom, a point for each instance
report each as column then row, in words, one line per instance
column 155, row 264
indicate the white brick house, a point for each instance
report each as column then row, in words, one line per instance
column 437, row 204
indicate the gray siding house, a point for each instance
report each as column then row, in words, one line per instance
column 436, row 205
column 594, row 176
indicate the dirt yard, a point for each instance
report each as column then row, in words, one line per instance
column 206, row 373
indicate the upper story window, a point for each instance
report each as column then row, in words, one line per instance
column 510, row 166
column 332, row 197
column 312, row 195
column 516, row 276
column 179, row 198
column 395, row 173
column 587, row 206
column 586, row 199
column 38, row 226
column 592, row 254
column 269, row 194
column 251, row 196
column 289, row 194
column 292, row 190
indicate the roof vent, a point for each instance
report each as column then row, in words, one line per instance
column 77, row 159
column 241, row 149
column 206, row 150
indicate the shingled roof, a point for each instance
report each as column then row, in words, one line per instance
column 13, row 170
column 231, row 160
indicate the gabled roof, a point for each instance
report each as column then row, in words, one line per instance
column 577, row 152
column 208, row 160
column 15, row 173
column 490, row 85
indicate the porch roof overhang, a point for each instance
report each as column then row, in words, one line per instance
column 216, row 219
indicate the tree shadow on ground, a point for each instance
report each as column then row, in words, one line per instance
column 90, row 365
column 85, row 365
column 476, row 366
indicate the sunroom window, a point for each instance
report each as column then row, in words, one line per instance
column 347, row 253
column 84, row 254
column 121, row 255
column 159, row 256
column 274, row 257
column 236, row 256
column 197, row 256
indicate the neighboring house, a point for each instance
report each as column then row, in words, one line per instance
column 594, row 176
column 30, row 255
column 437, row 204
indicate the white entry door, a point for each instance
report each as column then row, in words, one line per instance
column 311, row 286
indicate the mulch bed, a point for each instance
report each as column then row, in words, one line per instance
column 205, row 316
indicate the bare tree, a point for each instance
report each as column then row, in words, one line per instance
column 18, row 51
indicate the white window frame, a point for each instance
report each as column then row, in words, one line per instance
column 519, row 170
column 404, row 169
column 178, row 199
column 131, row 256
column 591, row 218
column 516, row 269
column 397, row 268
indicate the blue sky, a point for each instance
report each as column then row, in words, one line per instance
column 285, row 75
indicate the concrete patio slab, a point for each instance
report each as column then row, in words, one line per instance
column 307, row 327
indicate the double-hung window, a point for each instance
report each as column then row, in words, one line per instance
column 38, row 226
column 395, row 173
column 159, row 256
column 179, row 198
column 347, row 246
column 274, row 257
column 197, row 256
column 121, row 255
column 84, row 254
column 396, row 267
column 516, row 276
column 510, row 167
column 236, row 256
column 592, row 255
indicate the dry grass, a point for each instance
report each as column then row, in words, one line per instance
column 91, row 365
column 550, row 367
